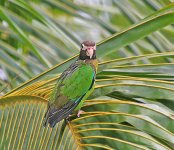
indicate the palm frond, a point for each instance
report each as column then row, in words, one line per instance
column 132, row 104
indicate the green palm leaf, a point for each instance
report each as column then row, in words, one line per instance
column 132, row 104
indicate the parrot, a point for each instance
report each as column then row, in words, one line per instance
column 75, row 84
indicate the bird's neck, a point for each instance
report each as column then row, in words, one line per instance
column 92, row 62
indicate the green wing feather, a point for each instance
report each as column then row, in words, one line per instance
column 74, row 83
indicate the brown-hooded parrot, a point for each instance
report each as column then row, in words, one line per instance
column 74, row 86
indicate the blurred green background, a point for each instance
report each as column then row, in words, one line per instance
column 133, row 101
column 35, row 35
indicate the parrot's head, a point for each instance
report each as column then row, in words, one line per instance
column 87, row 50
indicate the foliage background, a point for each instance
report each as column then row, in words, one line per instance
column 132, row 105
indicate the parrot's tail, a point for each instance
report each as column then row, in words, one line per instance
column 54, row 115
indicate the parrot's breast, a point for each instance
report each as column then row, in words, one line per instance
column 81, row 82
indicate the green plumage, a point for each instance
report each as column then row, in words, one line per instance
column 78, row 82
column 74, row 86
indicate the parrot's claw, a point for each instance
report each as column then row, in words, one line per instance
column 79, row 113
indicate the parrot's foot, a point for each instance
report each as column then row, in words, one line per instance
column 79, row 113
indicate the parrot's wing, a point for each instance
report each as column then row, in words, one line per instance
column 72, row 86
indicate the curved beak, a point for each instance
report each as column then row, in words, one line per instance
column 90, row 51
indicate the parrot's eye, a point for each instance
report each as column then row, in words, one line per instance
column 83, row 47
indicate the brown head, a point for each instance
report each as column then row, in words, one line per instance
column 87, row 50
